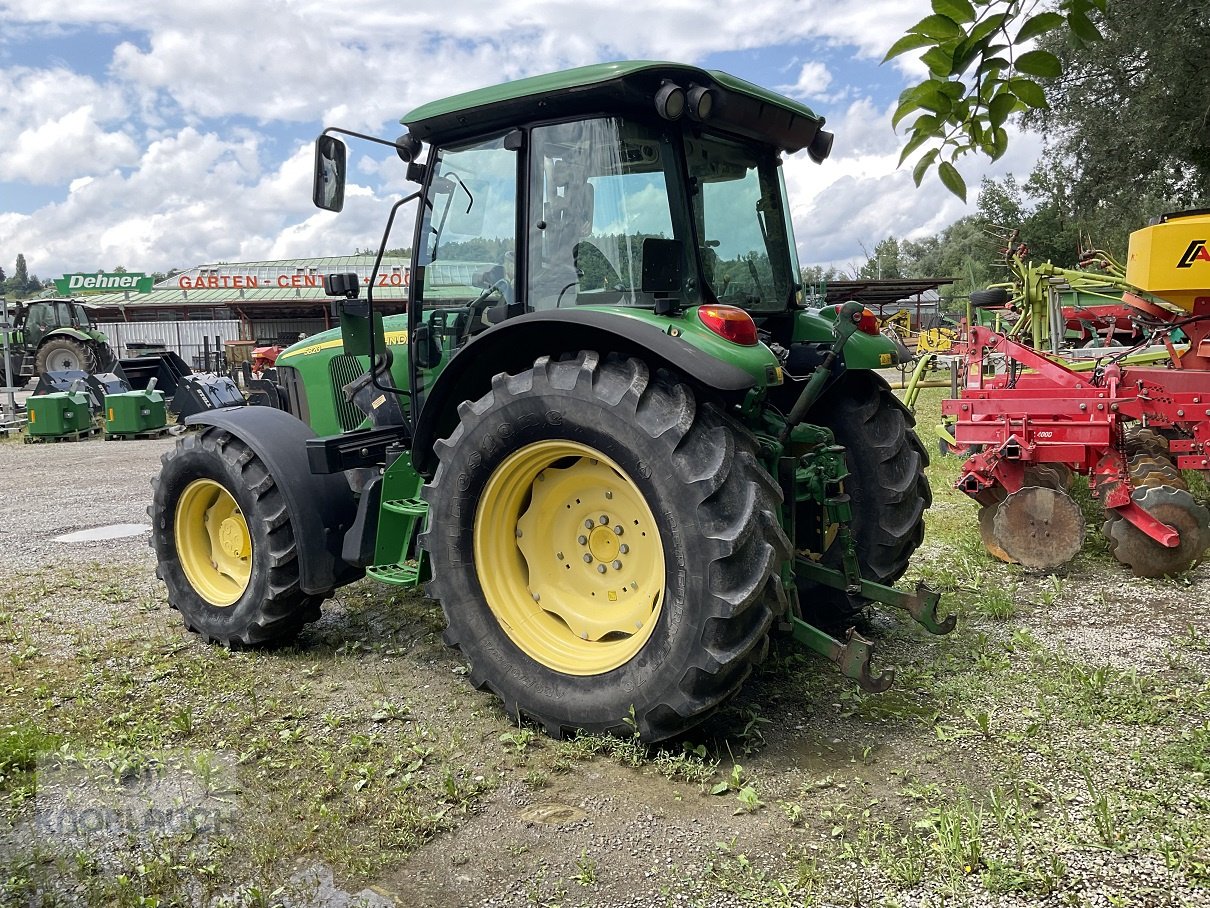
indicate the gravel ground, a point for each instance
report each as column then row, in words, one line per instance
column 59, row 488
column 843, row 775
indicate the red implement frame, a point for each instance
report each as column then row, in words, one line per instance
column 1054, row 415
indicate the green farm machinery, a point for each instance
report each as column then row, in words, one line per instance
column 607, row 434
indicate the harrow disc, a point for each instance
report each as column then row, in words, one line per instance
column 1038, row 527
column 1055, row 476
column 1147, row 470
column 1145, row 556
column 1138, row 440
column 987, row 517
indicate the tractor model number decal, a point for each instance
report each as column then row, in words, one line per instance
column 1197, row 251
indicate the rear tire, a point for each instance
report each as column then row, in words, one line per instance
column 61, row 354
column 225, row 543
column 518, row 571
column 887, row 487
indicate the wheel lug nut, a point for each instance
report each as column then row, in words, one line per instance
column 617, row 530
column 582, row 539
column 608, row 495
column 587, row 558
column 600, row 569
column 604, row 519
column 624, row 549
column 588, row 524
column 617, row 565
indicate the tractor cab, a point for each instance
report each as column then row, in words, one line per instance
column 643, row 188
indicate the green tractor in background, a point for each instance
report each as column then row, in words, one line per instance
column 55, row 335
column 606, row 433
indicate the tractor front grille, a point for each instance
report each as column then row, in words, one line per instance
column 344, row 369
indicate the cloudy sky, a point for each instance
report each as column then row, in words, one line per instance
column 174, row 133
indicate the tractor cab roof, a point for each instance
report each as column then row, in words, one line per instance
column 626, row 89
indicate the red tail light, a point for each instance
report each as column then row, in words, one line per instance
column 868, row 322
column 729, row 323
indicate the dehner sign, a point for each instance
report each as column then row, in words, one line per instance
column 101, row 280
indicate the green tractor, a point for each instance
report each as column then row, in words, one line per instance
column 55, row 335
column 607, row 434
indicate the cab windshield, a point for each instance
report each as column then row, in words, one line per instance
column 743, row 223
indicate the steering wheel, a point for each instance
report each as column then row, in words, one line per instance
column 477, row 306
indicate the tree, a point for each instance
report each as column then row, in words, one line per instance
column 884, row 264
column 980, row 75
column 1130, row 117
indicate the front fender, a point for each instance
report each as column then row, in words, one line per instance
column 321, row 507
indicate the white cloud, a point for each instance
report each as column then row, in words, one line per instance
column 186, row 145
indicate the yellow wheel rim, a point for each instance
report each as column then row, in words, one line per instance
column 569, row 557
column 213, row 542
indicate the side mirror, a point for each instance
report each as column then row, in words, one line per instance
column 328, row 186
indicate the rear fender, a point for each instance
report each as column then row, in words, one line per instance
column 321, row 507
column 514, row 345
column 73, row 333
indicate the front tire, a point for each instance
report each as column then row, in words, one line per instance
column 225, row 543
column 567, row 620
column 888, row 488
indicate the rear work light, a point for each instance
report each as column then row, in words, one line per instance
column 729, row 323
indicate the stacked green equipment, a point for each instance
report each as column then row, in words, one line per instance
column 59, row 415
column 608, row 432
column 135, row 413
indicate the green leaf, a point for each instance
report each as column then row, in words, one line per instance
column 991, row 65
column 720, row 788
column 951, row 179
column 904, row 108
column 1029, row 91
column 953, row 89
column 922, row 166
column 939, row 61
column 1082, row 27
column 919, row 137
column 1039, row 63
column 906, row 43
column 941, row 27
column 965, row 54
column 982, row 29
column 958, row 10
column 1038, row 25
column 1000, row 108
column 999, row 142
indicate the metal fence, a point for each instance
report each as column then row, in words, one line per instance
column 200, row 344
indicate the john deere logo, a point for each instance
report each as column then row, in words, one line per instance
column 1197, row 251
column 102, row 281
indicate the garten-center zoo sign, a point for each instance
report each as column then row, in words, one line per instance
column 103, row 281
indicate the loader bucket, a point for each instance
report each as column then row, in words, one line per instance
column 166, row 368
column 204, row 391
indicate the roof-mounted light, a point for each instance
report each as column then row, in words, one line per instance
column 408, row 147
column 670, row 101
column 700, row 102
